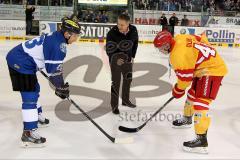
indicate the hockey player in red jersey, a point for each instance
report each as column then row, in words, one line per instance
column 198, row 64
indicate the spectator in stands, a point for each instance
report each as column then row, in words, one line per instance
column 104, row 17
column 172, row 6
column 232, row 6
column 140, row 5
column 205, row 5
column 211, row 8
column 89, row 17
column 29, row 18
column 238, row 6
column 184, row 21
column 80, row 15
column 69, row 3
column 42, row 2
column 55, row 3
column 74, row 17
column 188, row 5
column 165, row 5
column 163, row 20
column 5, row 2
column 126, row 12
column 160, row 5
column 173, row 21
column 31, row 2
column 151, row 4
column 96, row 18
column 17, row 2
column 226, row 4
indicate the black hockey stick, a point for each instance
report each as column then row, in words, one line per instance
column 114, row 140
column 133, row 130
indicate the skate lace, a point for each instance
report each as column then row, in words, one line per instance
column 195, row 140
column 35, row 134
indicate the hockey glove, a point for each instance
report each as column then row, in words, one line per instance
column 177, row 93
column 62, row 92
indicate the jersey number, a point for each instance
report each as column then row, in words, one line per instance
column 34, row 42
column 205, row 50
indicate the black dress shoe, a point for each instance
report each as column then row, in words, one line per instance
column 115, row 111
column 129, row 104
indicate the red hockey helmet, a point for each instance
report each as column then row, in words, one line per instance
column 163, row 41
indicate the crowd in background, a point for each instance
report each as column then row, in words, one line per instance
column 106, row 15
column 188, row 5
column 171, row 5
column 232, row 5
column 165, row 5
column 39, row 2
column 92, row 16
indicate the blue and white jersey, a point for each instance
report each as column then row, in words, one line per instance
column 47, row 51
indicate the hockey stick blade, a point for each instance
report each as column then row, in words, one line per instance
column 131, row 130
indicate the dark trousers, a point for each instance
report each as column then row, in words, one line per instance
column 169, row 28
column 125, row 70
column 28, row 27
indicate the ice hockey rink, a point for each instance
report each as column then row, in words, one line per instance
column 70, row 136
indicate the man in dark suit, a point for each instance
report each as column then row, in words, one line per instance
column 163, row 21
column 121, row 47
column 184, row 21
column 173, row 21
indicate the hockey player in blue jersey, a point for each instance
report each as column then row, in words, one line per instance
column 44, row 52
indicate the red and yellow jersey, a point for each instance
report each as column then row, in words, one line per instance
column 192, row 56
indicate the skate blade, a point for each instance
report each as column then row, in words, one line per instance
column 202, row 150
column 32, row 145
column 182, row 127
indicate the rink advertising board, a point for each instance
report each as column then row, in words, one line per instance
column 95, row 31
column 224, row 20
column 214, row 35
column 88, row 30
column 47, row 27
column 98, row 31
column 105, row 2
column 147, row 34
column 10, row 28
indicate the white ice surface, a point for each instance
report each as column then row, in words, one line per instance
column 82, row 140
